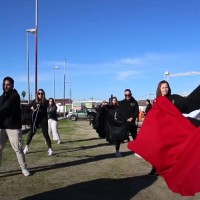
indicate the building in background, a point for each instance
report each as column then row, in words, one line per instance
column 81, row 104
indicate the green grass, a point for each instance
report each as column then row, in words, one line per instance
column 83, row 167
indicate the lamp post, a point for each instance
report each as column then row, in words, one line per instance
column 54, row 82
column 166, row 75
column 64, row 90
column 64, row 100
column 33, row 31
column 36, row 45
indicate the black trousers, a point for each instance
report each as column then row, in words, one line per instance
column 43, row 123
column 132, row 130
column 117, row 146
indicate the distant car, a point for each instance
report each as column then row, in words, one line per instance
column 80, row 114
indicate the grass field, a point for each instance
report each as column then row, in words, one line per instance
column 83, row 167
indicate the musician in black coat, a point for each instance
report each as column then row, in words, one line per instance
column 129, row 110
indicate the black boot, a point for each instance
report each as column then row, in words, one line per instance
column 153, row 172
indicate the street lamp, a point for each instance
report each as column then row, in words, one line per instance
column 64, row 100
column 64, row 90
column 32, row 31
column 166, row 75
column 36, row 45
column 54, row 78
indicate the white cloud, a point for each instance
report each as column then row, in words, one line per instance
column 144, row 59
column 126, row 74
column 131, row 61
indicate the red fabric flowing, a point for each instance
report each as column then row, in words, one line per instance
column 171, row 143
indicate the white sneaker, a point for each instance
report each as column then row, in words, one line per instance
column 58, row 142
column 26, row 149
column 137, row 155
column 26, row 172
column 50, row 152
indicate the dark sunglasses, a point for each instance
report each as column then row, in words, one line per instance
column 127, row 95
column 40, row 93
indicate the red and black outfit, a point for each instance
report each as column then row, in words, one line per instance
column 170, row 142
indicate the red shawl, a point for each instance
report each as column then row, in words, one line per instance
column 171, row 143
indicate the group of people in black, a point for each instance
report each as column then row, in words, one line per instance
column 115, row 120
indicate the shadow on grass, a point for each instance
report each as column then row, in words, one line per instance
column 100, row 189
column 88, row 159
column 88, row 147
column 89, row 139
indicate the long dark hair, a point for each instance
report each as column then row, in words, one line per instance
column 43, row 99
column 116, row 101
column 53, row 102
column 158, row 91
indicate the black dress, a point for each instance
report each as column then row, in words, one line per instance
column 116, row 127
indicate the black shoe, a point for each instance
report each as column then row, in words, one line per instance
column 153, row 173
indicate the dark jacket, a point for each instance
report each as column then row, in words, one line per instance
column 179, row 101
column 129, row 109
column 116, row 130
column 193, row 100
column 40, row 111
column 187, row 104
column 52, row 112
column 148, row 108
column 10, row 111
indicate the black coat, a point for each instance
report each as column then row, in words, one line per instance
column 116, row 130
column 129, row 109
column 52, row 112
column 187, row 104
column 40, row 112
column 10, row 111
column 148, row 108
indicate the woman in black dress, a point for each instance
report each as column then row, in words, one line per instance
column 116, row 128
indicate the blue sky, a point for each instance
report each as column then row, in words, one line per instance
column 109, row 45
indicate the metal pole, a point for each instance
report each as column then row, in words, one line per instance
column 54, row 82
column 54, row 90
column 70, row 92
column 64, row 91
column 36, row 45
column 28, row 76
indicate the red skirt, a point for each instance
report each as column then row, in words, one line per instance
column 171, row 143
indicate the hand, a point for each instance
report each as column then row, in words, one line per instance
column 104, row 103
column 130, row 119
